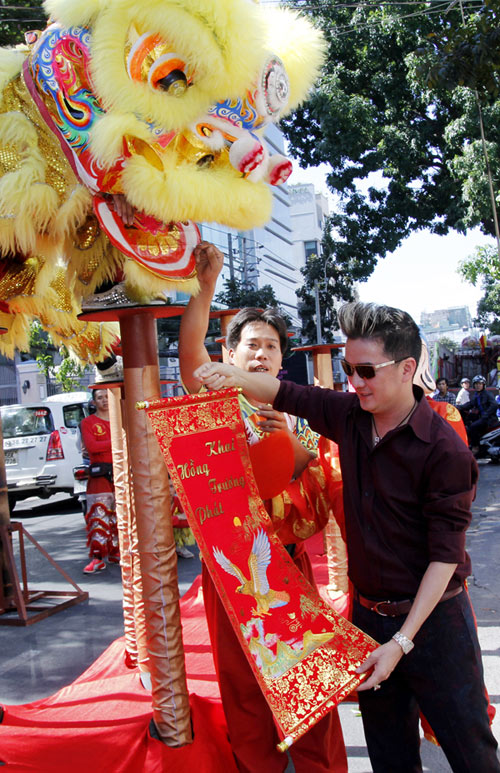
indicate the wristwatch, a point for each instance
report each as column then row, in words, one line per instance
column 404, row 642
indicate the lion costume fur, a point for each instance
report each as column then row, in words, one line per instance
column 164, row 150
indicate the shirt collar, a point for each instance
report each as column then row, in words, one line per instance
column 420, row 421
column 421, row 418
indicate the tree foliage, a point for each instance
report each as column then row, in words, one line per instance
column 238, row 294
column 67, row 372
column 468, row 54
column 17, row 19
column 447, row 343
column 402, row 156
column 333, row 277
column 41, row 348
column 484, row 267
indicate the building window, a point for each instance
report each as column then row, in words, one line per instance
column 311, row 248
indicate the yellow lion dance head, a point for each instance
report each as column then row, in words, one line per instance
column 164, row 103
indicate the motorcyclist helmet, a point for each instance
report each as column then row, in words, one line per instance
column 478, row 380
column 464, row 381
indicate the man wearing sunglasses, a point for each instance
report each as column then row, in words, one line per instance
column 409, row 481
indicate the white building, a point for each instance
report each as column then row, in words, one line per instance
column 263, row 256
column 454, row 323
column 309, row 211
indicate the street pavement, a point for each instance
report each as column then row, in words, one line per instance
column 39, row 659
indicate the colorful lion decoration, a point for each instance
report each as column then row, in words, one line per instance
column 164, row 103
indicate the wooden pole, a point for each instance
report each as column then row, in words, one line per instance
column 226, row 318
column 158, row 558
column 323, row 371
column 133, row 604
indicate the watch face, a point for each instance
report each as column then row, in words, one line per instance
column 405, row 643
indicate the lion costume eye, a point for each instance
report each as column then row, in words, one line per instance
column 168, row 74
column 151, row 60
column 274, row 87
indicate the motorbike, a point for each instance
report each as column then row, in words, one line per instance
column 81, row 476
column 489, row 445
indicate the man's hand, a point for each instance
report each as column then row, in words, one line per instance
column 194, row 323
column 218, row 375
column 275, row 421
column 123, row 208
column 383, row 661
column 272, row 421
column 209, row 262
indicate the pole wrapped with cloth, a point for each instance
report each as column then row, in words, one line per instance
column 303, row 654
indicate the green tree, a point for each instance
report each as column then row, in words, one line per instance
column 17, row 19
column 402, row 156
column 483, row 267
column 238, row 294
column 314, row 288
column 447, row 342
column 41, row 348
column 332, row 276
column 68, row 372
column 467, row 54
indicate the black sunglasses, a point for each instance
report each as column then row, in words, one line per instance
column 367, row 371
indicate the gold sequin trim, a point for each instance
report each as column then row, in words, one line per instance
column 58, row 173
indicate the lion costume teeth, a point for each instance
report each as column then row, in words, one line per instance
column 165, row 103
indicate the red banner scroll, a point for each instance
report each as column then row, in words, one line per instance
column 303, row 653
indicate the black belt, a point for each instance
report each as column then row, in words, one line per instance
column 396, row 608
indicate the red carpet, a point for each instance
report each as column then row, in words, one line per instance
column 100, row 722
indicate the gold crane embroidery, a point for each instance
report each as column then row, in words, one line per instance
column 258, row 585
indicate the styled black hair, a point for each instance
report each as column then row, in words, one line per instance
column 395, row 329
column 245, row 316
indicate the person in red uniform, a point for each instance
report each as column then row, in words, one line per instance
column 256, row 342
column 100, row 519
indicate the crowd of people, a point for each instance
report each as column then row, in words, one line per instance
column 479, row 408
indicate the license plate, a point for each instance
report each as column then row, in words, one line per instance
column 10, row 457
column 80, row 487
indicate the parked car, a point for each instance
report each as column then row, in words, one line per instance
column 42, row 445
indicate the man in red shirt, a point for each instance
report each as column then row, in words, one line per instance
column 409, row 481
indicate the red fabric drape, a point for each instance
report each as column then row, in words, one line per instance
column 101, row 721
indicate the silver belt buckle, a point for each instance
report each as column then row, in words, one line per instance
column 377, row 610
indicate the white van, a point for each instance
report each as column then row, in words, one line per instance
column 40, row 442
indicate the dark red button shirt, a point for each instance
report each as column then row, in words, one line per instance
column 407, row 500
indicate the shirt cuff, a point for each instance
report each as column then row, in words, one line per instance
column 447, row 546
